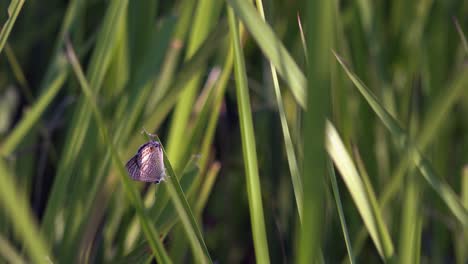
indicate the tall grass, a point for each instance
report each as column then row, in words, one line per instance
column 297, row 131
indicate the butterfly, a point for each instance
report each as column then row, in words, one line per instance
column 148, row 163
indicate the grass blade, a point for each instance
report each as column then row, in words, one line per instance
column 13, row 11
column 248, row 146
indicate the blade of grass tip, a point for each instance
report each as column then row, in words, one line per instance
column 185, row 213
column 13, row 11
column 357, row 189
column 303, row 41
column 442, row 188
column 21, row 217
column 248, row 146
column 149, row 230
column 319, row 41
column 273, row 49
column 339, row 208
column 290, row 153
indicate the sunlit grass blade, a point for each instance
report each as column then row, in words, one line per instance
column 442, row 188
column 273, row 49
column 290, row 152
column 133, row 196
column 21, row 217
column 339, row 208
column 369, row 213
column 13, row 11
column 248, row 146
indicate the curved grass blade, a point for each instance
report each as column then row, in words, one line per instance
column 361, row 194
column 248, row 146
column 442, row 188
column 13, row 11
column 149, row 230
column 273, row 49
column 18, row 210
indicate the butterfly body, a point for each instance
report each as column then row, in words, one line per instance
column 148, row 163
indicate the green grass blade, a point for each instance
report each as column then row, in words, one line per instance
column 13, row 11
column 319, row 35
column 290, row 152
column 248, row 146
column 18, row 210
column 442, row 188
column 361, row 196
column 148, row 228
column 339, row 208
column 273, row 49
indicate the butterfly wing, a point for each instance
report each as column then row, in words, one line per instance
column 133, row 168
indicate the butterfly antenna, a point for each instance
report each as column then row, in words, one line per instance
column 149, row 135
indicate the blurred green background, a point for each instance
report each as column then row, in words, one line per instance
column 294, row 131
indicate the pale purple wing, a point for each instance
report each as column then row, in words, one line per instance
column 133, row 168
